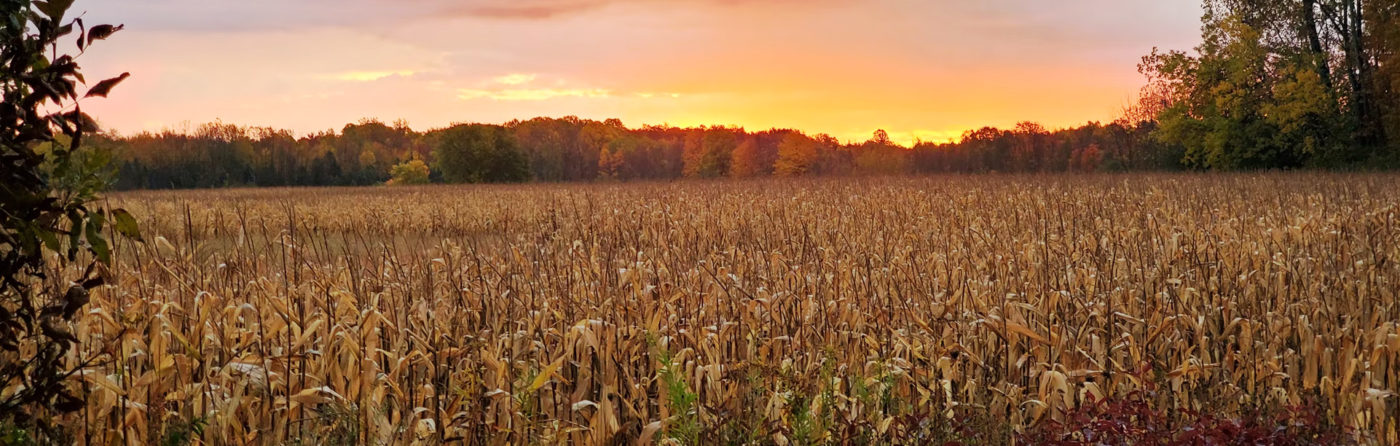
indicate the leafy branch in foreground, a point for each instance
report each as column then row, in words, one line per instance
column 46, row 201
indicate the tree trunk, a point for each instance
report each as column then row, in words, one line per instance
column 1346, row 19
column 1366, row 114
column 1315, row 43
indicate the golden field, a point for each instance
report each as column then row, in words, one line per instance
column 771, row 312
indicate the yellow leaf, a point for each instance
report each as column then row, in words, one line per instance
column 544, row 375
column 1027, row 332
column 316, row 395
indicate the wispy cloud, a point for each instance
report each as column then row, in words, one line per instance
column 535, row 10
column 369, row 76
column 548, row 9
column 518, row 87
column 516, row 79
column 244, row 15
column 532, row 94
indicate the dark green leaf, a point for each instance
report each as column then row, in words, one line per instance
column 100, row 32
column 96, row 221
column 82, row 120
column 63, row 5
column 82, row 34
column 29, row 243
column 89, row 125
column 75, row 237
column 40, row 64
column 50, row 239
column 126, row 224
column 104, row 87
column 54, row 9
column 95, row 240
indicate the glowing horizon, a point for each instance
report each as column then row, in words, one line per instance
column 927, row 70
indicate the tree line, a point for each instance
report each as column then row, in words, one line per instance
column 1275, row 84
column 573, row 149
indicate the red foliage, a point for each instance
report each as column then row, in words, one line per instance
column 1131, row 420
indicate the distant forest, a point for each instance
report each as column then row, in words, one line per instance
column 572, row 149
column 1275, row 84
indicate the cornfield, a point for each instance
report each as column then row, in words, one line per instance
column 839, row 311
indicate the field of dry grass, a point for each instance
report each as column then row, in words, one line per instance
column 835, row 311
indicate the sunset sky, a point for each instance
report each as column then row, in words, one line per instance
column 927, row 69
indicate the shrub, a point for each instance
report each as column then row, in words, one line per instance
column 413, row 171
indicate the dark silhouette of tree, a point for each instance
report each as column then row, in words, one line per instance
column 1383, row 40
column 478, row 153
column 51, row 177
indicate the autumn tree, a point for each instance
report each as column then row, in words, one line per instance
column 1030, row 147
column 1278, row 83
column 1086, row 159
column 746, row 161
column 543, row 142
column 594, row 137
column 610, row 164
column 797, row 155
column 880, row 156
column 1224, row 92
column 708, row 151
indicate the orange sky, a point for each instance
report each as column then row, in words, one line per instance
column 925, row 69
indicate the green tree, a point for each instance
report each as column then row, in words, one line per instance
column 46, row 205
column 479, row 153
column 544, row 142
